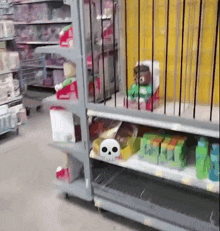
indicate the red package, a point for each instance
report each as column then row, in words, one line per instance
column 67, row 37
column 69, row 92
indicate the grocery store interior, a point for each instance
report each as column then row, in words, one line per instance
column 109, row 115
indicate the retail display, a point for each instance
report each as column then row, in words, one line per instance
column 155, row 194
column 145, row 87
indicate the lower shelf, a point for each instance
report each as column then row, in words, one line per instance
column 133, row 191
column 77, row 188
column 136, row 216
column 187, row 176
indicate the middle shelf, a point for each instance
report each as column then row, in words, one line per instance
column 187, row 176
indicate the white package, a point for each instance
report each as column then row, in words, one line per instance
column 62, row 125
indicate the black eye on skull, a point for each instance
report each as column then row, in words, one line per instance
column 104, row 149
column 114, row 149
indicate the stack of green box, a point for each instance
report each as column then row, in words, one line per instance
column 163, row 150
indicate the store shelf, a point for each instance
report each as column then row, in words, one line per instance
column 76, row 149
column 77, row 188
column 54, row 67
column 37, row 43
column 174, row 123
column 8, row 71
column 43, row 22
column 6, row 39
column 70, row 105
column 187, row 176
column 11, row 100
column 70, row 53
column 34, row 1
column 149, row 221
column 152, row 197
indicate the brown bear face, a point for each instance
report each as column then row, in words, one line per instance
column 142, row 75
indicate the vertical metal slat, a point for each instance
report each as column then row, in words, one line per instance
column 92, row 51
column 181, row 63
column 114, row 8
column 198, row 57
column 152, row 93
column 103, row 57
column 215, row 57
column 166, row 61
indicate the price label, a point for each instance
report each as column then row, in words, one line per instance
column 186, row 181
column 159, row 173
column 211, row 187
column 148, row 222
column 98, row 204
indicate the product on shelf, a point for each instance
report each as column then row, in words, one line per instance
column 145, row 87
column 38, row 11
column 66, row 37
column 148, row 147
column 110, row 149
column 214, row 166
column 202, row 158
column 163, row 151
column 21, row 12
column 16, row 87
column 127, row 138
column 6, row 88
column 61, row 13
column 63, row 127
column 68, row 88
column 7, row 29
column 62, row 174
column 8, row 120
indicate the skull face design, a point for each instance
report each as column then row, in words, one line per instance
column 109, row 149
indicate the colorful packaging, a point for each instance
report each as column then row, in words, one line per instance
column 62, row 123
column 214, row 167
column 67, row 37
column 202, row 159
column 163, row 151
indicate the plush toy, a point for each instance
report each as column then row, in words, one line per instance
column 68, row 88
column 69, row 75
column 146, row 86
column 144, row 79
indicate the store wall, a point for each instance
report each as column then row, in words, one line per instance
column 190, row 45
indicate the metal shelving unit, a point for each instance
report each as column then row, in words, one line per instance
column 155, row 196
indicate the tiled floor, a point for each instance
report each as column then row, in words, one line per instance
column 28, row 202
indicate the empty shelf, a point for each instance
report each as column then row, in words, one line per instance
column 76, row 149
column 154, row 198
column 69, row 105
column 187, row 176
column 77, row 188
column 69, row 53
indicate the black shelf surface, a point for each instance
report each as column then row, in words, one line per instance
column 150, row 196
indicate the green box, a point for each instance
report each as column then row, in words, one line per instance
column 163, row 151
column 178, row 157
column 144, row 144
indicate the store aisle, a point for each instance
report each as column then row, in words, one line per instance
column 27, row 199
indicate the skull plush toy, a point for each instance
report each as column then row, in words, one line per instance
column 110, row 149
